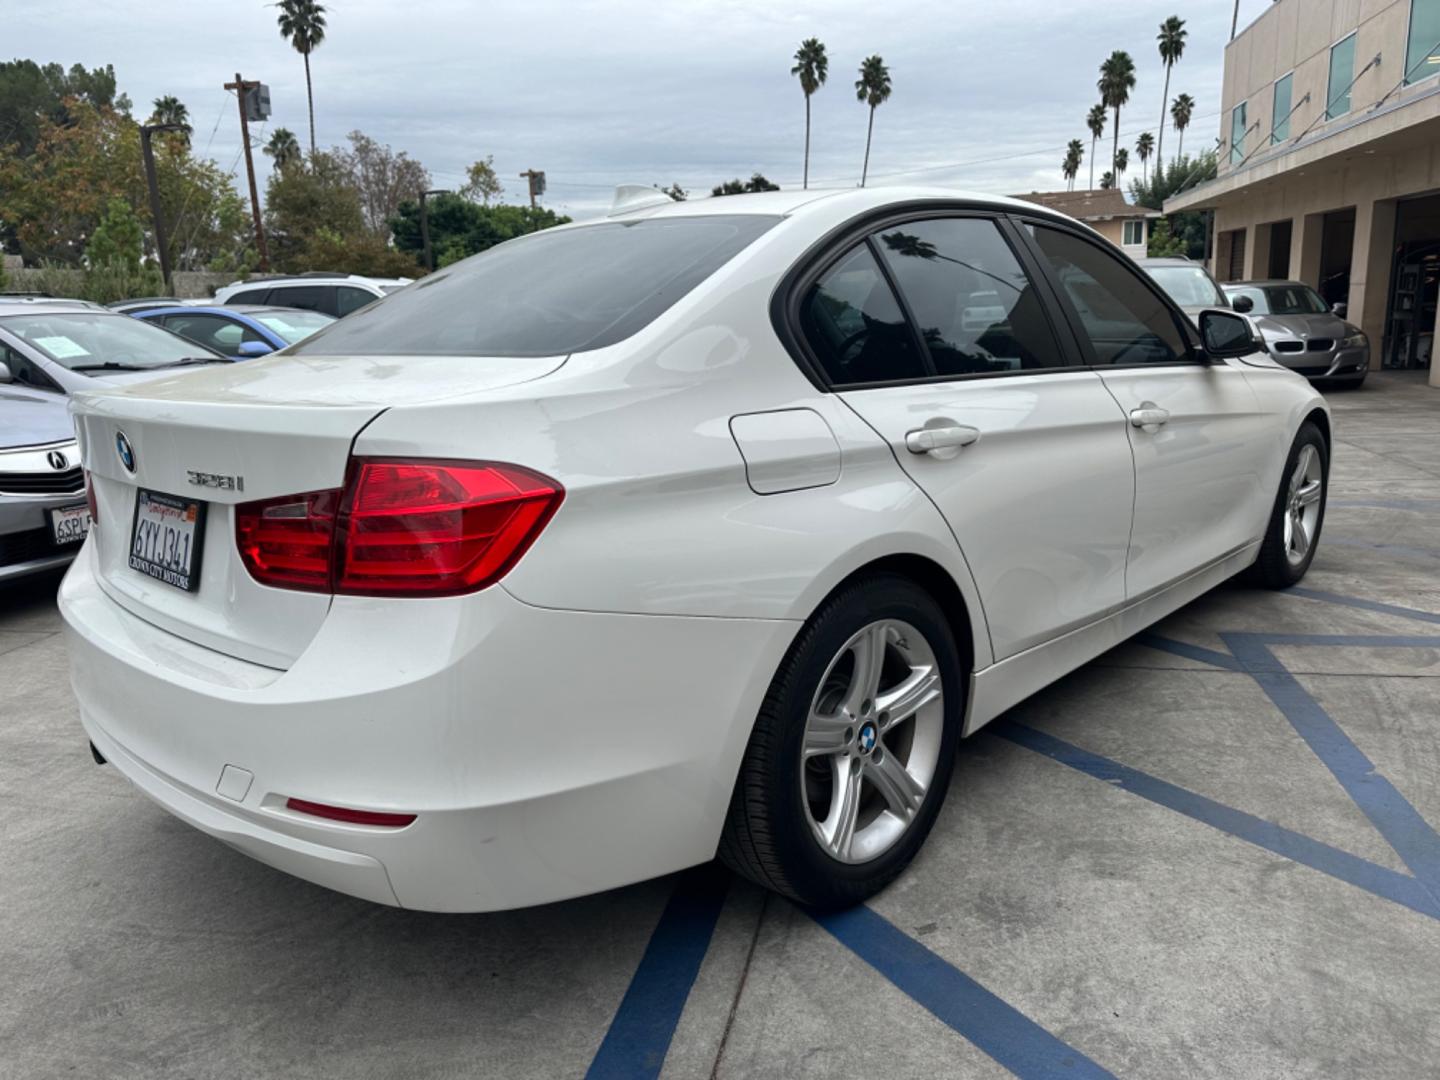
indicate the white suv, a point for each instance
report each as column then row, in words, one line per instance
column 334, row 294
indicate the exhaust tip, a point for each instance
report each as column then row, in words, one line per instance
column 99, row 757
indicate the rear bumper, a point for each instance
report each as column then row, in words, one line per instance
column 546, row 753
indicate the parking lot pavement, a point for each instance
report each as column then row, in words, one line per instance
column 1210, row 853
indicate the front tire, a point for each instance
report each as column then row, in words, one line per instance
column 1299, row 512
column 852, row 752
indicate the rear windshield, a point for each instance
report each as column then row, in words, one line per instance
column 1188, row 286
column 546, row 294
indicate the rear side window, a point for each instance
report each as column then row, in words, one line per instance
column 306, row 297
column 854, row 326
column 547, row 294
column 975, row 307
column 249, row 296
column 1124, row 319
column 349, row 298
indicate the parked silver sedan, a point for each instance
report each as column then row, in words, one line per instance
column 1302, row 332
column 43, row 511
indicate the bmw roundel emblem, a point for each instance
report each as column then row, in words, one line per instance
column 125, row 451
column 866, row 739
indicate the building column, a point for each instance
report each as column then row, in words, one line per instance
column 1257, row 253
column 1434, row 360
column 1306, row 236
column 1370, row 270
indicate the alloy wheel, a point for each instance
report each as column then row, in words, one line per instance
column 1302, row 507
column 872, row 741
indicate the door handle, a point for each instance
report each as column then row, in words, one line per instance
column 1149, row 415
column 924, row 440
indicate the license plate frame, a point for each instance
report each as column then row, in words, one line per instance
column 172, row 519
column 61, row 515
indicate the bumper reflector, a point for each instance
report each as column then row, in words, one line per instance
column 350, row 817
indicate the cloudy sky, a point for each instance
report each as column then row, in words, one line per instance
column 599, row 92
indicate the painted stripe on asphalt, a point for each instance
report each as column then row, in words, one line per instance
column 639, row 1037
column 1390, row 812
column 1419, row 505
column 1364, row 605
column 1380, row 880
column 1190, row 652
column 1388, row 549
column 956, row 1000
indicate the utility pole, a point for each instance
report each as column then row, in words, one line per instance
column 241, row 88
column 162, row 244
column 425, row 226
column 536, row 179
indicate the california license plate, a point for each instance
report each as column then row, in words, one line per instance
column 69, row 524
column 165, row 540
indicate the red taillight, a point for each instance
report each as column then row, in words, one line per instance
column 90, row 498
column 352, row 817
column 399, row 528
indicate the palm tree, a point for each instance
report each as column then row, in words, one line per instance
column 811, row 65
column 1144, row 147
column 1096, row 123
column 171, row 110
column 283, row 147
column 873, row 88
column 1107, row 181
column 302, row 23
column 1117, row 79
column 1122, row 162
column 1181, row 111
column 1172, row 44
column 1074, row 154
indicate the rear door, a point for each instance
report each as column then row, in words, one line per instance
column 1195, row 428
column 933, row 331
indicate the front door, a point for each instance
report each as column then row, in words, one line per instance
column 962, row 373
column 1195, row 428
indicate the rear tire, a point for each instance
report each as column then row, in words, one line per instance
column 1298, row 514
column 852, row 752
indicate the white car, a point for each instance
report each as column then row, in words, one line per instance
column 331, row 294
column 710, row 526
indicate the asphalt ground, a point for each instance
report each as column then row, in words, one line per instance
column 1210, row 853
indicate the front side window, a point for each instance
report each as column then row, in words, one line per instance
column 212, row 331
column 25, row 371
column 92, row 341
column 1342, row 74
column 1125, row 321
column 1422, row 56
column 351, row 299
column 1284, row 89
column 1134, row 233
column 547, row 294
column 977, row 311
column 1237, row 133
column 853, row 325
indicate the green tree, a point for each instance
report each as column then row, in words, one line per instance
column 811, row 67
column 675, row 191
column 1181, row 110
column 757, row 182
column 302, row 24
column 171, row 110
column 460, row 228
column 300, row 204
column 873, row 89
column 283, row 148
column 481, row 183
column 1144, row 147
column 1164, row 244
column 1171, row 40
column 1117, row 79
column 1070, row 167
column 1122, row 162
column 31, row 94
column 118, row 239
column 1095, row 121
column 1107, row 181
column 1186, row 228
column 382, row 178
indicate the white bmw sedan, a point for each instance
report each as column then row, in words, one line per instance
column 707, row 527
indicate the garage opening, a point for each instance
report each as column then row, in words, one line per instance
column 1414, row 284
column 1278, row 268
column 1337, row 245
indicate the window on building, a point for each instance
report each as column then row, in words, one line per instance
column 1342, row 74
column 1237, row 134
column 1422, row 58
column 1134, row 233
column 1283, row 92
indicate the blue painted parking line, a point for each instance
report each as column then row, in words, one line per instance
column 1388, row 549
column 956, row 1000
column 1190, row 652
column 1382, row 881
column 1419, row 505
column 640, row 1034
column 1364, row 605
column 1389, row 811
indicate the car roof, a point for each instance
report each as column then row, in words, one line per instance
column 285, row 280
column 1262, row 284
column 1169, row 260
column 29, row 305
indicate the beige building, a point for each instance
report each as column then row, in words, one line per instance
column 1330, row 163
column 1104, row 210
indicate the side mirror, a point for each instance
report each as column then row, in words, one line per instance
column 250, row 349
column 1243, row 304
column 1341, row 309
column 1226, row 335
column 5, row 376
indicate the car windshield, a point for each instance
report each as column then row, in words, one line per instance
column 96, row 341
column 1188, row 286
column 293, row 326
column 546, row 294
column 1292, row 300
